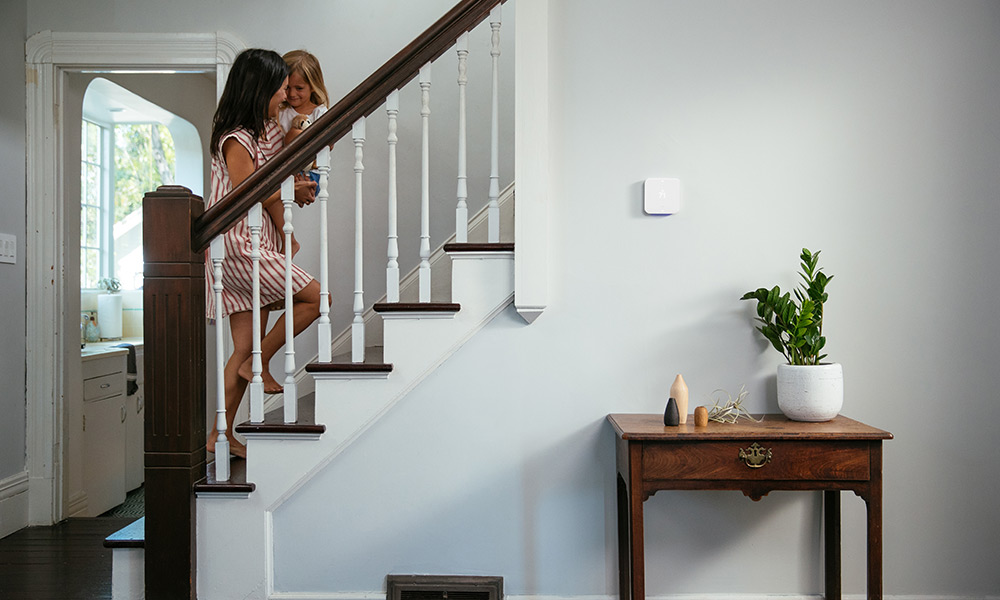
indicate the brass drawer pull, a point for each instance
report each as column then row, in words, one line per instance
column 755, row 456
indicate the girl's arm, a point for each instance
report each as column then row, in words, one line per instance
column 296, row 128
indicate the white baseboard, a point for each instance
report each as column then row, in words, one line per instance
column 77, row 505
column 13, row 503
column 381, row 596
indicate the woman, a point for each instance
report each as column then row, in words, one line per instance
column 245, row 135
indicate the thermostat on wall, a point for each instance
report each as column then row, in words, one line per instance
column 661, row 196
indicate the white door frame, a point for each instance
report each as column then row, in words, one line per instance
column 49, row 56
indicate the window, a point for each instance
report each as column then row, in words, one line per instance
column 93, row 204
column 111, row 205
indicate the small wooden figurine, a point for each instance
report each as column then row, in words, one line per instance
column 701, row 417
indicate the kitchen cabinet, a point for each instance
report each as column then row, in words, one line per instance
column 104, row 436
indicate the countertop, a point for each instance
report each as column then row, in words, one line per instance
column 103, row 349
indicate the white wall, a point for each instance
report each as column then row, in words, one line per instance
column 12, row 222
column 869, row 131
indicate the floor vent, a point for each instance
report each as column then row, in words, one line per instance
column 443, row 587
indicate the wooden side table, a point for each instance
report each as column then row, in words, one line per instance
column 754, row 458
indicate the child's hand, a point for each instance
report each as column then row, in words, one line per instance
column 305, row 190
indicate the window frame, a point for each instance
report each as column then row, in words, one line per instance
column 105, row 206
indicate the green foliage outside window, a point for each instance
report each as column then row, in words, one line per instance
column 144, row 160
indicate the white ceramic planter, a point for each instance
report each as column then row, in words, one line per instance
column 109, row 316
column 811, row 392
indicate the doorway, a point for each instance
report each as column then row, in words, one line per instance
column 130, row 140
column 53, row 303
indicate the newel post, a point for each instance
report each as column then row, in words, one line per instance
column 174, row 325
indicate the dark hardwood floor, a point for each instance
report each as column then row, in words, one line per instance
column 67, row 561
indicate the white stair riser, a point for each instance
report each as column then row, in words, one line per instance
column 128, row 574
column 478, row 279
column 235, row 531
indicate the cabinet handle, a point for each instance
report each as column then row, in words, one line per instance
column 105, row 386
column 755, row 456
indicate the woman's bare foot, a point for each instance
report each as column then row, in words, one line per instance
column 235, row 448
column 271, row 386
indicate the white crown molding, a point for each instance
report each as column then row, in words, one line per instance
column 49, row 54
column 141, row 50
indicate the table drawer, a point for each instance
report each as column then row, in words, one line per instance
column 749, row 459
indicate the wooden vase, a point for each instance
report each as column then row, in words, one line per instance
column 679, row 392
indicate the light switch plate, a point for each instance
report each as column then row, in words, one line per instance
column 661, row 196
column 8, row 248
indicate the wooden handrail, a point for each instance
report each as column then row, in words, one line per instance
column 360, row 102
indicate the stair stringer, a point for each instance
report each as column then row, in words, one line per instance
column 240, row 565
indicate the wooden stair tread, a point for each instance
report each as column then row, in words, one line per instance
column 480, row 247
column 341, row 363
column 274, row 420
column 237, row 483
column 442, row 307
column 132, row 535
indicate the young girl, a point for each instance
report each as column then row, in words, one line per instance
column 244, row 136
column 305, row 101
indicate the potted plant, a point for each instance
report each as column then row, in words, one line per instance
column 109, row 309
column 808, row 389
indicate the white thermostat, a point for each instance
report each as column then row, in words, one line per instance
column 661, row 196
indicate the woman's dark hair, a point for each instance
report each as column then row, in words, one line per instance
column 255, row 77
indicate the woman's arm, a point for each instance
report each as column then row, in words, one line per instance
column 240, row 166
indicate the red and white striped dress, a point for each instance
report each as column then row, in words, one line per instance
column 237, row 294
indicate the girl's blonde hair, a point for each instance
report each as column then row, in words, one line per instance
column 307, row 65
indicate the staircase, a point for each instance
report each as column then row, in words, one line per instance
column 289, row 445
column 350, row 398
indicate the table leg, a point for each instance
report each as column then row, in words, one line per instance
column 874, row 502
column 624, row 572
column 831, row 535
column 637, row 555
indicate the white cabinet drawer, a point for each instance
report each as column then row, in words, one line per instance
column 104, row 363
column 103, row 386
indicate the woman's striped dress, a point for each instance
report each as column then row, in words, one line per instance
column 237, row 268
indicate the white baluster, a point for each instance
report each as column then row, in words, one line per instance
column 425, row 194
column 218, row 254
column 392, row 267
column 462, row 210
column 358, row 325
column 290, row 393
column 255, row 221
column 322, row 195
column 493, row 214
